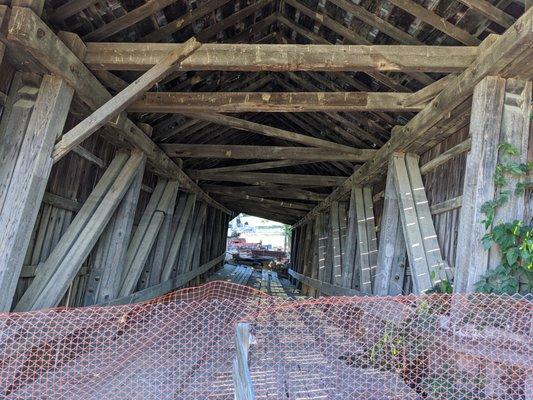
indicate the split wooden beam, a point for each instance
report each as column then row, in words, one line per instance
column 114, row 106
column 284, row 57
column 264, row 178
column 266, row 130
column 28, row 34
column 497, row 55
column 55, row 275
column 264, row 152
column 271, row 102
column 25, row 171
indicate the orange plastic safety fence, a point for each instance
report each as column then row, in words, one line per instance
column 182, row 346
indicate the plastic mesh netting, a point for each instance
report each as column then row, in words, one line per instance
column 181, row 346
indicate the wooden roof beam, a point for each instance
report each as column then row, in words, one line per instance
column 127, row 20
column 278, row 203
column 269, row 131
column 287, row 57
column 240, row 102
column 349, row 35
column 183, row 21
column 437, row 22
column 258, row 166
column 266, row 178
column 270, row 191
column 244, row 152
column 496, row 56
column 490, row 12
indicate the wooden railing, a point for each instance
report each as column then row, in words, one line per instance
column 167, row 286
column 324, row 287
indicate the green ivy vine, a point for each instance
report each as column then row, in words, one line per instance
column 514, row 239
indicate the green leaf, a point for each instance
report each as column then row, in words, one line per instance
column 512, row 255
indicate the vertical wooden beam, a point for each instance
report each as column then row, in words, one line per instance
column 28, row 181
column 390, row 271
column 314, row 259
column 106, row 273
column 185, row 243
column 2, row 52
column 348, row 262
column 322, row 245
column 500, row 113
column 16, row 116
column 370, row 231
column 172, row 258
column 196, row 234
column 161, row 201
column 363, row 248
column 436, row 265
column 336, row 234
column 307, row 255
column 54, row 277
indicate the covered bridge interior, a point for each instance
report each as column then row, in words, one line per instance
column 133, row 131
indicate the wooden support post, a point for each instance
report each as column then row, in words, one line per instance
column 307, row 255
column 366, row 252
column 114, row 106
column 27, row 183
column 242, row 379
column 425, row 259
column 185, row 244
column 161, row 202
column 348, row 262
column 54, row 277
column 196, row 234
column 105, row 276
column 392, row 255
column 336, row 233
column 322, row 245
column 161, row 247
column 15, row 119
column 500, row 114
column 175, row 245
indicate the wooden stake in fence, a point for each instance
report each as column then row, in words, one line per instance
column 242, row 378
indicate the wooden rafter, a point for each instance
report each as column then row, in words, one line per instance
column 244, row 152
